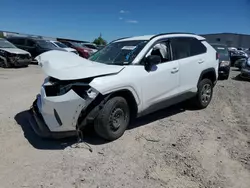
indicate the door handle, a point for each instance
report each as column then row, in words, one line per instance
column 201, row 61
column 175, row 70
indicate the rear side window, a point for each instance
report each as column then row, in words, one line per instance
column 30, row 43
column 197, row 47
column 17, row 41
column 184, row 47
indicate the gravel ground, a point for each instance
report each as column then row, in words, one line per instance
column 176, row 147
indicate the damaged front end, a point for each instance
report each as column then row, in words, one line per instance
column 19, row 60
column 63, row 107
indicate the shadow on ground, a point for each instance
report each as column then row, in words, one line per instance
column 239, row 78
column 235, row 69
column 22, row 119
column 89, row 136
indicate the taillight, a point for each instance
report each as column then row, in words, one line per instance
column 217, row 55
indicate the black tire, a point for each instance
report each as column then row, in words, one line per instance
column 199, row 100
column 225, row 77
column 107, row 125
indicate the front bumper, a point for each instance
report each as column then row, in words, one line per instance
column 57, row 116
column 40, row 127
column 224, row 70
column 19, row 63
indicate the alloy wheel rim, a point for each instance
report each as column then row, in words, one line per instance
column 206, row 93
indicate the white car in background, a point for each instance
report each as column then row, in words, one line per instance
column 61, row 45
column 92, row 46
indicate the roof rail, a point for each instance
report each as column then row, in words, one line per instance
column 172, row 34
column 119, row 39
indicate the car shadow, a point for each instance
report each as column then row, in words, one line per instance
column 235, row 69
column 161, row 114
column 89, row 135
column 37, row 142
column 239, row 78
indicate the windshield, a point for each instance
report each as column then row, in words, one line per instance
column 45, row 44
column 61, row 45
column 90, row 46
column 6, row 44
column 76, row 44
column 221, row 49
column 119, row 53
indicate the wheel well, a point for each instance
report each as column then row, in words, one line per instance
column 209, row 74
column 128, row 96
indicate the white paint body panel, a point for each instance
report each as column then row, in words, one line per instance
column 68, row 66
column 163, row 82
column 68, row 107
column 67, row 49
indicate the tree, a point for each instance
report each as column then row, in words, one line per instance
column 100, row 41
column 1, row 34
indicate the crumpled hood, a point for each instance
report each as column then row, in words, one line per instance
column 68, row 66
column 15, row 50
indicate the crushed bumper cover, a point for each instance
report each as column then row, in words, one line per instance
column 20, row 63
column 40, row 127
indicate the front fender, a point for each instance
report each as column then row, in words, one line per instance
column 104, row 86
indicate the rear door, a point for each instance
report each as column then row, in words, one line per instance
column 31, row 47
column 190, row 53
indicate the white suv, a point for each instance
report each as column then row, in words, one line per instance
column 130, row 77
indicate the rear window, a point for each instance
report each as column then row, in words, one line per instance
column 221, row 49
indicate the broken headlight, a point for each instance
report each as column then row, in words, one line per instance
column 55, row 87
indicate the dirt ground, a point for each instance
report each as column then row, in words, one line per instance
column 175, row 148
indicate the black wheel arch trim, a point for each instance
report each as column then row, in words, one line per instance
column 205, row 72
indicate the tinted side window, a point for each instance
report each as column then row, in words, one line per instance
column 30, row 43
column 18, row 41
column 184, row 47
column 66, row 43
column 197, row 47
column 181, row 48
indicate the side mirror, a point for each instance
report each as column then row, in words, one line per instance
column 151, row 60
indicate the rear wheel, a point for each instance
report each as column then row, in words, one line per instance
column 113, row 119
column 204, row 94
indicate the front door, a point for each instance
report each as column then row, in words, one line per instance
column 162, row 81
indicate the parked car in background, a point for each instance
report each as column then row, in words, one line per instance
column 239, row 62
column 11, row 56
column 99, row 47
column 91, row 46
column 61, row 45
column 83, row 51
column 35, row 46
column 224, row 60
column 236, row 55
column 245, row 70
column 128, row 78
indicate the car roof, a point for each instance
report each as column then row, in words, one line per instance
column 149, row 37
column 31, row 38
